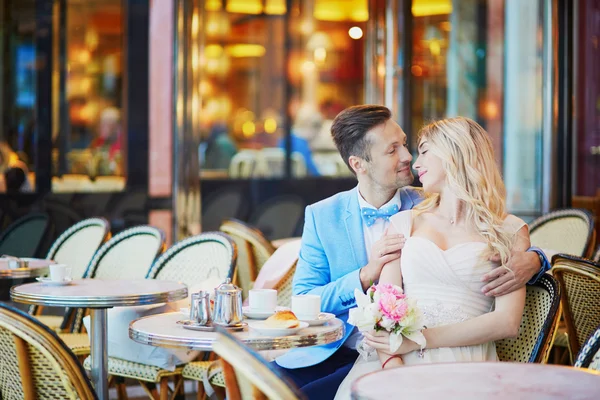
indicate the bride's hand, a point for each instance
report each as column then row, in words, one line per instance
column 380, row 341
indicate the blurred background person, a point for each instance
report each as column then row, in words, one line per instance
column 107, row 146
column 305, row 129
column 219, row 149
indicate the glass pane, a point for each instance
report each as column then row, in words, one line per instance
column 94, row 130
column 250, row 82
column 482, row 59
column 17, row 95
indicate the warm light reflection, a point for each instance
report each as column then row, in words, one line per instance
column 248, row 129
column 320, row 54
column 308, row 67
column 275, row 7
column 435, row 48
column 213, row 51
column 195, row 25
column 341, row 10
column 270, row 125
column 422, row 8
column 245, row 50
column 355, row 32
column 416, row 70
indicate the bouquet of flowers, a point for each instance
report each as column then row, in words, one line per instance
column 385, row 307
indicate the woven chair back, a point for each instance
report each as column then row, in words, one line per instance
column 284, row 288
column 569, row 231
column 589, row 356
column 279, row 217
column 579, row 281
column 253, row 251
column 35, row 363
column 200, row 258
column 538, row 326
column 248, row 375
column 127, row 255
column 78, row 244
column 25, row 236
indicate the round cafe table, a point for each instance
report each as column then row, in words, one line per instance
column 162, row 330
column 491, row 380
column 35, row 267
column 99, row 295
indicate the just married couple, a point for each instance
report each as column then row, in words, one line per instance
column 452, row 247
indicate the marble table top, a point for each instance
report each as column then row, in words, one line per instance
column 100, row 293
column 491, row 380
column 162, row 330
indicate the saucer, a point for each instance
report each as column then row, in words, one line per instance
column 194, row 326
column 262, row 328
column 321, row 319
column 50, row 282
column 258, row 314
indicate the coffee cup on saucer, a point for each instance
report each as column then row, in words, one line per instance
column 306, row 307
column 60, row 272
column 262, row 300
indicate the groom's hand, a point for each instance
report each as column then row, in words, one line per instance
column 523, row 264
column 383, row 251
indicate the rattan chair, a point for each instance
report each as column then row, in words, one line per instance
column 589, row 356
column 249, row 376
column 279, row 217
column 190, row 261
column 25, row 237
column 579, row 281
column 127, row 255
column 76, row 248
column 569, row 231
column 538, row 326
column 253, row 251
column 35, row 363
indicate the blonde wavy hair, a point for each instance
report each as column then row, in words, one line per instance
column 472, row 175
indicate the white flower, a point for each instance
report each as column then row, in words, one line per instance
column 387, row 323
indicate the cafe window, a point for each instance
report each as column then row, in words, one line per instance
column 17, row 95
column 89, row 138
column 260, row 63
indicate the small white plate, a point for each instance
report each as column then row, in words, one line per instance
column 253, row 314
column 50, row 282
column 321, row 319
column 263, row 329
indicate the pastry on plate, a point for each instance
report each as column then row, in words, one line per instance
column 282, row 319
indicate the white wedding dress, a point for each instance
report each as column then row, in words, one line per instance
column 447, row 286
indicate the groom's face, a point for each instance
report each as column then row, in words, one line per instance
column 389, row 165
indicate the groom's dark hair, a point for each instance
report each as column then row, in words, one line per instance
column 350, row 127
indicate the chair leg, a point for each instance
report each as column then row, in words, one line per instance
column 164, row 389
column 201, row 393
column 121, row 388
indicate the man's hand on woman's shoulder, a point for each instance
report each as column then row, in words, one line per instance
column 500, row 281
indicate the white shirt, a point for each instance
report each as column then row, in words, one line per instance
column 371, row 234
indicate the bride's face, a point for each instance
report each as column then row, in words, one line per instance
column 430, row 169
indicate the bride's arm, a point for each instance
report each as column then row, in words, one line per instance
column 501, row 323
column 390, row 273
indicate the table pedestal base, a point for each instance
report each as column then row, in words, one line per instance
column 99, row 352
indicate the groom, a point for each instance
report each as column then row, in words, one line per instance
column 344, row 245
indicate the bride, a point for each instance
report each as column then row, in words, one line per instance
column 451, row 238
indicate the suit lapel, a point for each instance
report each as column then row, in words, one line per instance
column 354, row 229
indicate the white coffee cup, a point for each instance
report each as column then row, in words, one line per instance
column 59, row 272
column 306, row 306
column 262, row 300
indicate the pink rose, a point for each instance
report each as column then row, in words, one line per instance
column 392, row 307
column 387, row 288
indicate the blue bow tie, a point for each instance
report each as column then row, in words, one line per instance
column 370, row 214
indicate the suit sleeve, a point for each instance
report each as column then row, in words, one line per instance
column 313, row 273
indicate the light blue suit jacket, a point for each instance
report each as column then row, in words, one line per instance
column 332, row 254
